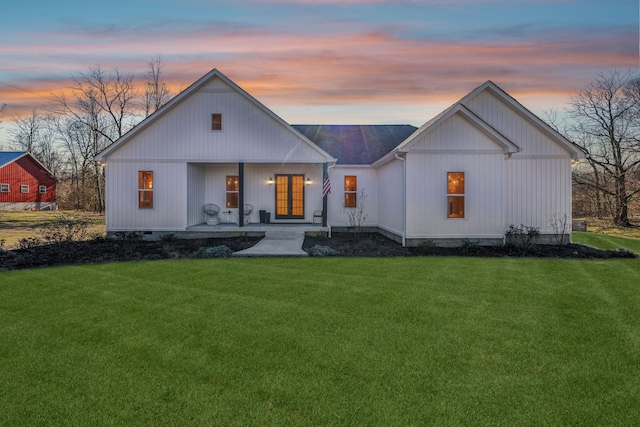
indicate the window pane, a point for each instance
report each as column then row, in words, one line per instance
column 145, row 180
column 232, row 183
column 232, row 200
column 350, row 183
column 145, row 199
column 42, row 189
column 456, row 206
column 282, row 195
column 455, row 183
column 216, row 122
column 350, row 200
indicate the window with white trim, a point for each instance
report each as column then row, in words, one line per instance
column 455, row 194
column 4, row 188
column 145, row 190
column 24, row 189
column 350, row 191
column 42, row 189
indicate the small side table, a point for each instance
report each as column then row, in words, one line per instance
column 227, row 216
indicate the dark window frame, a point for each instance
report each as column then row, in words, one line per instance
column 145, row 189
column 232, row 191
column 351, row 191
column 216, row 121
column 456, row 193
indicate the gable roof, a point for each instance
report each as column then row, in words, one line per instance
column 541, row 125
column 7, row 157
column 507, row 145
column 186, row 93
column 356, row 144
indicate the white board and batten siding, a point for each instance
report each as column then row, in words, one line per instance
column 537, row 191
column 169, row 210
column 538, row 178
column 455, row 146
column 391, row 189
column 367, row 182
column 248, row 134
column 190, row 160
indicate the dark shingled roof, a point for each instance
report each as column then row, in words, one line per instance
column 356, row 144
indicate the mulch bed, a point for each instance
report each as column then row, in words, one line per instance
column 341, row 244
column 104, row 250
column 374, row 244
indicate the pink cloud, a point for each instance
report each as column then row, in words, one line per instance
column 339, row 68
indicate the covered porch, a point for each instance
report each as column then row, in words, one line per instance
column 241, row 195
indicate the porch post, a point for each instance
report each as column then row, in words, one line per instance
column 325, row 173
column 241, row 194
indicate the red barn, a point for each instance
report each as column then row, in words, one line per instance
column 25, row 183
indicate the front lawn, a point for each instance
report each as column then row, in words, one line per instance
column 607, row 241
column 322, row 341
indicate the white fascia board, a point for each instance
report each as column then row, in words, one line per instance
column 574, row 150
column 190, row 90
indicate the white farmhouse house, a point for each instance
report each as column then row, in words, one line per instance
column 481, row 165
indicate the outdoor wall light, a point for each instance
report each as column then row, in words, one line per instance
column 308, row 181
column 270, row 181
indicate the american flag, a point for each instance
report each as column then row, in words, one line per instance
column 326, row 186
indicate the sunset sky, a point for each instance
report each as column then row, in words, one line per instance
column 326, row 61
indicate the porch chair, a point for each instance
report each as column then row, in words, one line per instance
column 317, row 217
column 211, row 212
column 247, row 213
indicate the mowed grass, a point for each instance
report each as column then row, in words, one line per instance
column 322, row 341
column 607, row 241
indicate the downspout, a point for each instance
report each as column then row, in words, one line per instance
column 404, row 199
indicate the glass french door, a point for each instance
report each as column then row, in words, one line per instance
column 289, row 196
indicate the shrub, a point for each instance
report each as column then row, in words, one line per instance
column 522, row 236
column 470, row 247
column 213, row 252
column 169, row 237
column 65, row 227
column 29, row 243
column 320, row 250
column 127, row 236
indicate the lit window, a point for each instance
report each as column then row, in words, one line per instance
column 350, row 191
column 216, row 122
column 232, row 191
column 42, row 189
column 24, row 188
column 145, row 190
column 4, row 188
column 455, row 194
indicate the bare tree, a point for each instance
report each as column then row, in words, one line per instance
column 606, row 124
column 356, row 216
column 156, row 92
column 3, row 107
column 102, row 102
column 35, row 134
column 100, row 111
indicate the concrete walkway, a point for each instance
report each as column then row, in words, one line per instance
column 277, row 242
